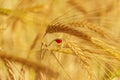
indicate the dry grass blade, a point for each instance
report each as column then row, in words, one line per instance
column 61, row 66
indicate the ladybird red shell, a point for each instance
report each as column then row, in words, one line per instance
column 58, row 40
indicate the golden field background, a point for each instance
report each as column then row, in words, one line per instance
column 89, row 30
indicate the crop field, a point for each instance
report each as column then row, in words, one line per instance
column 59, row 39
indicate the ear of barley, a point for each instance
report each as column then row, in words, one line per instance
column 90, row 26
column 110, row 49
column 66, row 29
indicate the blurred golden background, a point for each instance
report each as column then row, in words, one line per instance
column 59, row 40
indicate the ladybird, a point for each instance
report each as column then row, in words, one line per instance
column 58, row 40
